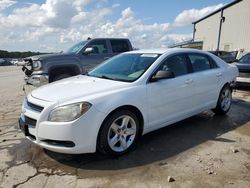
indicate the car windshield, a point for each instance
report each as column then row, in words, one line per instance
column 74, row 49
column 125, row 67
column 245, row 59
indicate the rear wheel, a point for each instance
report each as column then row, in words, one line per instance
column 119, row 133
column 224, row 101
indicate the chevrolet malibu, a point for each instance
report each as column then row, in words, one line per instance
column 129, row 95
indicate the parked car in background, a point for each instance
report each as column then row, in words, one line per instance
column 4, row 62
column 78, row 59
column 127, row 96
column 14, row 61
column 243, row 64
column 228, row 57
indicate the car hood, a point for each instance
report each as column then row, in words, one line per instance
column 75, row 87
column 50, row 56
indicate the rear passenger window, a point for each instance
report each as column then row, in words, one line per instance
column 119, row 46
column 177, row 64
column 201, row 62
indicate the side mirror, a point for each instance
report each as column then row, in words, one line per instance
column 88, row 51
column 162, row 74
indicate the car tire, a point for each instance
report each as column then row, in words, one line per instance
column 119, row 133
column 60, row 76
column 224, row 101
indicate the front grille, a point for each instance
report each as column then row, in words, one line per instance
column 68, row 144
column 35, row 107
column 29, row 121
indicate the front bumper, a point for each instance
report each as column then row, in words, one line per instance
column 37, row 79
column 74, row 137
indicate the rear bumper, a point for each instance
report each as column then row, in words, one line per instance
column 37, row 79
column 241, row 81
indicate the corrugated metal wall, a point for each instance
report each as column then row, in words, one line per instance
column 235, row 33
column 207, row 31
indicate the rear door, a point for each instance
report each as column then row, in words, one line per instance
column 119, row 46
column 207, row 79
column 169, row 100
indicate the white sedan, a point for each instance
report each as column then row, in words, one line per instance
column 127, row 96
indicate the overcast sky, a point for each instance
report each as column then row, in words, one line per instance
column 54, row 25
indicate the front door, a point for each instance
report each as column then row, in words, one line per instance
column 100, row 53
column 170, row 99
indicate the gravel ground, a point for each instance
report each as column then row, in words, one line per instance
column 202, row 151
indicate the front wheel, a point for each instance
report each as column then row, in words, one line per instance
column 224, row 101
column 119, row 133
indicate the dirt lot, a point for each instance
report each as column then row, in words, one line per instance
column 202, row 151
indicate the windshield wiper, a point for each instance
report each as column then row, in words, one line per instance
column 103, row 76
column 106, row 77
column 115, row 79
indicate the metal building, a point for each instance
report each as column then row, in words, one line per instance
column 227, row 28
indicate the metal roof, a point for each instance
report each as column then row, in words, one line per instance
column 184, row 43
column 218, row 10
column 181, row 43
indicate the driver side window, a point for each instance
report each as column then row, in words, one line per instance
column 99, row 47
column 176, row 64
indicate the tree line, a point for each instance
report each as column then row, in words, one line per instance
column 6, row 54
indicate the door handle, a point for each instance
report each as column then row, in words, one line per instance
column 105, row 58
column 189, row 81
column 219, row 74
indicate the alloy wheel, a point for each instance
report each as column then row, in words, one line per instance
column 121, row 134
column 226, row 99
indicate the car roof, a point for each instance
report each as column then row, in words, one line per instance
column 107, row 38
column 167, row 50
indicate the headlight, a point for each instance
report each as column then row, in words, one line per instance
column 37, row 65
column 69, row 112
